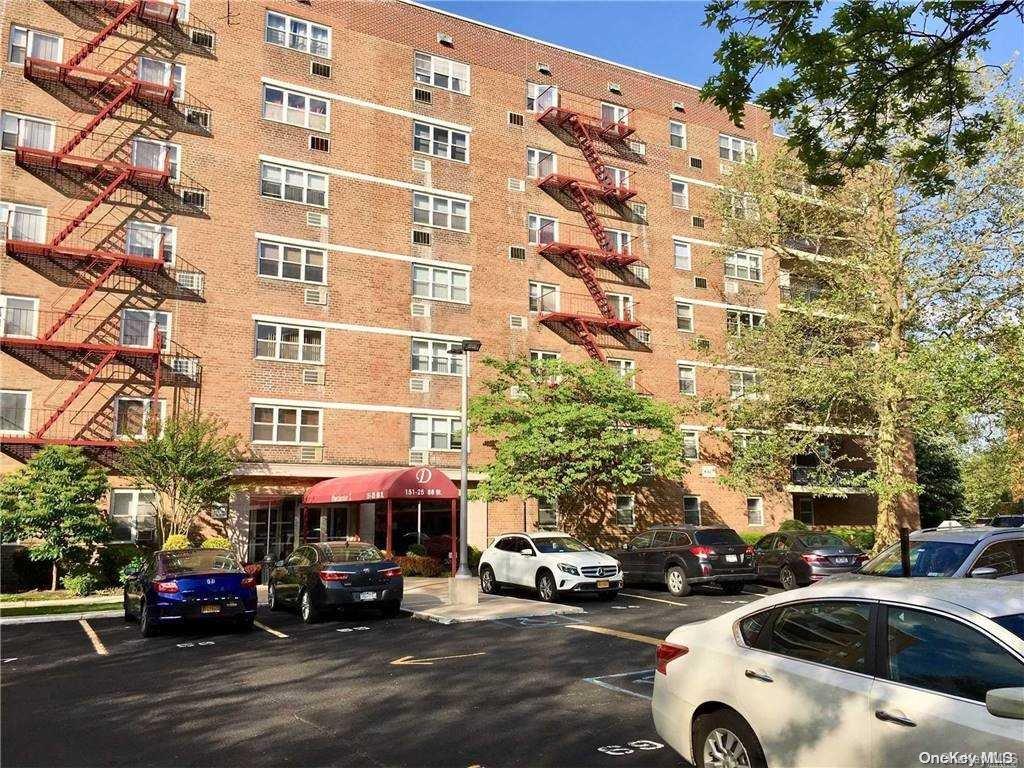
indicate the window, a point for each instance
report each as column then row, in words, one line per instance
column 742, row 207
column 292, row 262
column 684, row 317
column 832, row 633
column 742, row 384
column 625, row 509
column 677, row 134
column 27, row 42
column 298, row 35
column 547, row 514
column 431, row 356
column 138, row 327
column 687, row 380
column 442, row 212
column 691, row 444
column 151, row 241
column 540, row 163
column 540, row 97
column 680, row 194
column 157, row 156
column 21, row 131
column 14, row 411
column 296, row 108
column 542, row 229
column 691, row 510
column 132, row 416
column 164, row 73
column 738, row 322
column 611, row 114
column 683, row 255
column 625, row 368
column 755, row 510
column 440, row 283
column 436, row 433
column 743, row 266
column 618, row 176
column 293, row 184
column 295, row 426
column 1007, row 557
column 440, row 142
column 620, row 240
column 19, row 316
column 133, row 513
column 289, row 342
column 23, row 222
column 441, row 73
column 805, row 510
column 543, row 297
column 541, row 356
column 622, row 305
column 750, row 628
column 736, row 150
column 942, row 655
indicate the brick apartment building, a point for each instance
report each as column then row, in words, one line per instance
column 283, row 213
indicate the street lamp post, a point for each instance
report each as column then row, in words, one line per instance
column 463, row 574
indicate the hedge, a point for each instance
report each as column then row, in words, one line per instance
column 419, row 565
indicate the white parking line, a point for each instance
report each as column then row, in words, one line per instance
column 653, row 599
column 265, row 628
column 97, row 644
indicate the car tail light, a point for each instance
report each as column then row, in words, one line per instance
column 813, row 559
column 249, row 582
column 666, row 652
column 749, row 551
column 333, row 576
column 166, row 587
column 389, row 573
column 701, row 551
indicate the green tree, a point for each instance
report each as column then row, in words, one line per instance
column 903, row 316
column 938, row 475
column 860, row 73
column 189, row 463
column 990, row 475
column 567, row 432
column 52, row 502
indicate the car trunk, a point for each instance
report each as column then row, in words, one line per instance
column 212, row 585
column 726, row 552
column 836, row 557
column 362, row 574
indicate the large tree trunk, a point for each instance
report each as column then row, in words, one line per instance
column 897, row 478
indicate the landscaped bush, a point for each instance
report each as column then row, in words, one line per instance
column 114, row 558
column 751, row 537
column 861, row 536
column 82, row 581
column 418, row 565
column 417, row 549
column 473, row 557
column 794, row 525
column 216, row 542
column 177, row 541
column 132, row 568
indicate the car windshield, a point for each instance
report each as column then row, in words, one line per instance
column 718, row 536
column 816, row 540
column 1013, row 622
column 352, row 554
column 927, row 558
column 550, row 544
column 198, row 561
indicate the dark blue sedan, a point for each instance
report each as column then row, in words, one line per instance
column 183, row 585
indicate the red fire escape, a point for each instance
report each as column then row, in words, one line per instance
column 62, row 343
column 585, row 130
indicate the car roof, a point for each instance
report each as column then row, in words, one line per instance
column 968, row 534
column 687, row 527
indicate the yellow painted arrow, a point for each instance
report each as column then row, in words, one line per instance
column 409, row 661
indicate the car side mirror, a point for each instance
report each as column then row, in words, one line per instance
column 984, row 572
column 527, row 552
column 1006, row 702
column 279, row 564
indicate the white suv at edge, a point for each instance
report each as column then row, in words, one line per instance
column 550, row 562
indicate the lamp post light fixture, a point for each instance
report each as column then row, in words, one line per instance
column 464, row 348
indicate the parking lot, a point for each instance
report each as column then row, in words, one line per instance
column 361, row 690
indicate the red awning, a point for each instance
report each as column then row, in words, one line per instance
column 410, row 484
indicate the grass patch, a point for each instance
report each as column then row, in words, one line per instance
column 48, row 610
column 44, row 595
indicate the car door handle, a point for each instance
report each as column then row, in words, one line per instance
column 888, row 717
column 755, row 675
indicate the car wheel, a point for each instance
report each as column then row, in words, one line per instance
column 547, row 590
column 308, row 611
column 392, row 609
column 245, row 623
column 723, row 739
column 488, row 583
column 787, row 578
column 732, row 587
column 127, row 611
column 147, row 626
column 273, row 603
column 675, row 580
column 608, row 596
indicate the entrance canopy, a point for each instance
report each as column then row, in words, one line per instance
column 408, row 484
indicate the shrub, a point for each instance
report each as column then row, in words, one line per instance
column 473, row 555
column 27, row 573
column 752, row 537
column 132, row 567
column 794, row 525
column 417, row 549
column 177, row 541
column 81, row 581
column 216, row 542
column 418, row 565
column 114, row 558
column 862, row 536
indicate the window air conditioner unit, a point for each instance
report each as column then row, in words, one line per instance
column 420, row 237
column 190, row 281
column 418, row 458
column 319, row 143
column 544, row 69
column 445, row 39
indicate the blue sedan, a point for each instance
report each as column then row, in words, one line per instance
column 182, row 585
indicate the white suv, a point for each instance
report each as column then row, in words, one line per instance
column 549, row 562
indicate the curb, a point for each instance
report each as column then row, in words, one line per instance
column 46, row 618
column 424, row 616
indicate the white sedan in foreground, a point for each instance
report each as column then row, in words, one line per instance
column 854, row 671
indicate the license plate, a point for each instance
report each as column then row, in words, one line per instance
column 732, row 558
column 210, row 609
column 603, row 584
column 367, row 595
column 842, row 560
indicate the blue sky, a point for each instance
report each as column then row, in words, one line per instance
column 662, row 37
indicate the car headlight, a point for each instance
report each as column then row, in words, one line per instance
column 570, row 569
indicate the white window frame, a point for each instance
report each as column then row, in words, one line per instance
column 436, row 350
column 136, row 495
column 308, row 121
column 30, row 34
column 739, row 150
column 759, row 508
column 677, row 244
column 174, row 75
column 153, row 316
column 439, row 205
column 308, row 46
column 535, row 159
column 676, row 132
column 684, row 312
column 691, row 444
column 38, row 215
column 739, row 381
column 621, row 507
column 680, row 197
column 284, row 171
column 429, row 75
column 691, row 375
column 447, row 281
column 21, row 120
column 700, row 509
column 168, row 245
column 621, row 240
column 743, row 321
column 623, row 304
column 4, row 298
column 453, row 430
column 147, row 408
column 28, row 412
column 170, row 155
column 742, row 207
column 303, row 263
column 278, row 343
column 544, row 356
column 433, row 143
column 276, row 424
column 619, row 176
column 535, row 222
column 533, row 90
column 742, row 265
column 538, row 296
column 620, row 114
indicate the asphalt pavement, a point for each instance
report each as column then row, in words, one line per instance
column 354, row 691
